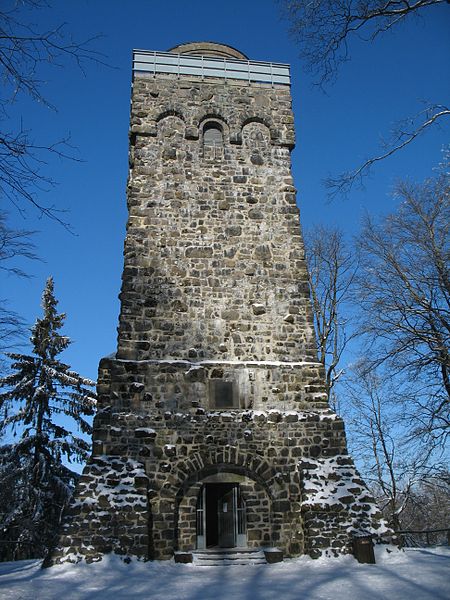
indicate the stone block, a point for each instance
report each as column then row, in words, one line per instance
column 273, row 556
column 183, row 557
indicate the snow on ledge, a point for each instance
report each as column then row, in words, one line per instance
column 241, row 363
column 249, row 415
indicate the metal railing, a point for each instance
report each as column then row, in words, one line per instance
column 145, row 61
column 421, row 538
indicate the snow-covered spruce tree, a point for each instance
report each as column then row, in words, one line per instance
column 43, row 402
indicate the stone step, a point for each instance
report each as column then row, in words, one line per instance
column 228, row 557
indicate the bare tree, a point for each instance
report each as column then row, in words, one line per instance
column 24, row 52
column 324, row 30
column 15, row 245
column 392, row 466
column 427, row 516
column 404, row 289
column 332, row 267
column 12, row 330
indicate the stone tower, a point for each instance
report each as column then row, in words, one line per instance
column 213, row 427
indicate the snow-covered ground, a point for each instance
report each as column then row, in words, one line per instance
column 420, row 574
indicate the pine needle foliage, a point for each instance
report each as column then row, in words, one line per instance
column 40, row 393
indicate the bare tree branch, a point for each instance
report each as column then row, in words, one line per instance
column 400, row 138
column 24, row 49
column 324, row 28
column 15, row 245
column 24, row 52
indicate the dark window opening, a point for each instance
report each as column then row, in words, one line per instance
column 223, row 394
column 212, row 141
column 212, row 135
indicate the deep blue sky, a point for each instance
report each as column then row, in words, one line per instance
column 385, row 81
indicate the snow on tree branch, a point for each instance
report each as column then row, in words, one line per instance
column 40, row 390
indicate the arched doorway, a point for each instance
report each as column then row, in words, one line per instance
column 221, row 516
column 224, row 506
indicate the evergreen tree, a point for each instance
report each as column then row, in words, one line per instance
column 41, row 393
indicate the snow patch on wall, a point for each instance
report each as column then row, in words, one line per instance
column 337, row 504
column 112, row 496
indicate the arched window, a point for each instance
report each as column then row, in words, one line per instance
column 212, row 135
column 212, row 140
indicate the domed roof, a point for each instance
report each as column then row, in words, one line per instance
column 208, row 49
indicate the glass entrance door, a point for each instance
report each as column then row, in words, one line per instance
column 226, row 517
column 221, row 516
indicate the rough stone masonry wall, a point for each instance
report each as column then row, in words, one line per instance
column 177, row 449
column 214, row 288
column 302, row 491
column 108, row 513
column 214, row 262
column 186, row 386
column 138, row 494
column 336, row 505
